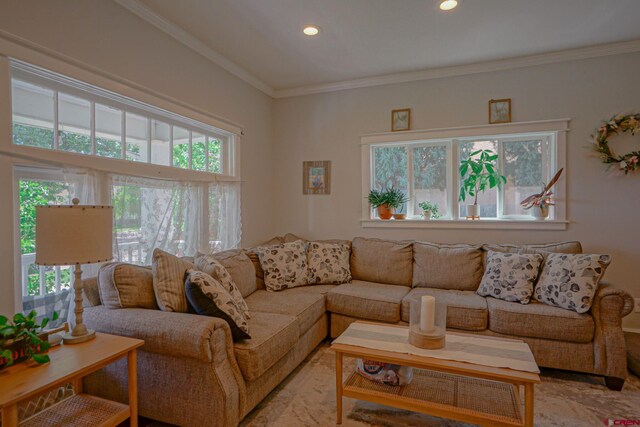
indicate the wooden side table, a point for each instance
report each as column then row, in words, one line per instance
column 69, row 364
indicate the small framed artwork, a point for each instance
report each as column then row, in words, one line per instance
column 316, row 177
column 401, row 120
column 500, row 111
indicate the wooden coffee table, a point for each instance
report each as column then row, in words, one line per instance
column 460, row 391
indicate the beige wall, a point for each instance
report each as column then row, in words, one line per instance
column 107, row 36
column 603, row 210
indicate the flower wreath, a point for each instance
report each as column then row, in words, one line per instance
column 620, row 123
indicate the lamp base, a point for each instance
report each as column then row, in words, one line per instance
column 68, row 338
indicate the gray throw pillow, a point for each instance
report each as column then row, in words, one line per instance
column 510, row 276
column 571, row 280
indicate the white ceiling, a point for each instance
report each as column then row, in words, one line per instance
column 366, row 38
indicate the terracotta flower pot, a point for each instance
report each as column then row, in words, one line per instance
column 385, row 212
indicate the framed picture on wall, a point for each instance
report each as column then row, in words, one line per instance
column 316, row 177
column 500, row 111
column 400, row 120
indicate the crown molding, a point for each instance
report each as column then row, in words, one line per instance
column 178, row 33
column 475, row 68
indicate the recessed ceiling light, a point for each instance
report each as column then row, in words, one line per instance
column 448, row 4
column 311, row 30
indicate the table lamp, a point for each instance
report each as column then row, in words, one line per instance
column 74, row 235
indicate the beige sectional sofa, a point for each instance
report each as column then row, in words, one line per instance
column 192, row 373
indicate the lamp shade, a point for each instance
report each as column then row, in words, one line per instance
column 78, row 234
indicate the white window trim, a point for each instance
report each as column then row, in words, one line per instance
column 559, row 127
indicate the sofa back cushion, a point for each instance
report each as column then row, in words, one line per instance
column 456, row 267
column 556, row 247
column 237, row 263
column 382, row 261
column 126, row 286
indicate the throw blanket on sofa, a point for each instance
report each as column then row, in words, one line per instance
column 479, row 350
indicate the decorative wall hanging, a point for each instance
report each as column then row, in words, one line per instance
column 499, row 111
column 401, row 119
column 316, row 177
column 620, row 123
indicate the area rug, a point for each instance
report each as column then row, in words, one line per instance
column 307, row 398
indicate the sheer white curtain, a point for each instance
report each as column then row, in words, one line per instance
column 178, row 217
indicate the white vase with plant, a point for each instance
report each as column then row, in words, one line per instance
column 539, row 203
column 429, row 210
column 478, row 174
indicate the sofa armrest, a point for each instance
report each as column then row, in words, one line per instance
column 174, row 334
column 613, row 302
column 610, row 305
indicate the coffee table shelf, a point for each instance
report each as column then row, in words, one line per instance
column 446, row 395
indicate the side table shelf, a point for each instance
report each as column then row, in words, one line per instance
column 80, row 410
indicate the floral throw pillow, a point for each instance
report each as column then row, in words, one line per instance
column 284, row 265
column 571, row 280
column 329, row 263
column 208, row 297
column 215, row 269
column 510, row 276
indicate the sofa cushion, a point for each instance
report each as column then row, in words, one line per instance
column 510, row 276
column 284, row 265
column 382, row 261
column 538, row 320
column 168, row 281
column 367, row 300
column 571, row 280
column 237, row 263
column 306, row 307
column 328, row 263
column 255, row 260
column 465, row 309
column 272, row 336
column 126, row 286
column 216, row 270
column 442, row 266
column 208, row 297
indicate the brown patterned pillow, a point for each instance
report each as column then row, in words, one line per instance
column 509, row 276
column 208, row 297
column 571, row 280
column 329, row 263
column 168, row 281
column 214, row 268
column 284, row 265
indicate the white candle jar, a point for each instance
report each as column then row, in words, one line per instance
column 427, row 322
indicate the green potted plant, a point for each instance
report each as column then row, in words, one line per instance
column 23, row 338
column 478, row 174
column 387, row 201
column 429, row 210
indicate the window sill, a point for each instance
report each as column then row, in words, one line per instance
column 486, row 224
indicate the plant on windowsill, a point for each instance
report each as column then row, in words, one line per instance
column 539, row 203
column 23, row 339
column 478, row 174
column 429, row 210
column 386, row 202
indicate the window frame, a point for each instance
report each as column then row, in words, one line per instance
column 555, row 145
column 230, row 158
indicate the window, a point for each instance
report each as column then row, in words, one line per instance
column 427, row 170
column 101, row 141
column 57, row 113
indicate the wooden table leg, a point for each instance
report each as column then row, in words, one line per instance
column 528, row 405
column 133, row 387
column 10, row 416
column 339, row 387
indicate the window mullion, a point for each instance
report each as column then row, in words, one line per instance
column 207, row 141
column 123, row 136
column 190, row 150
column 500, row 190
column 148, row 140
column 454, row 179
column 170, row 145
column 56, row 125
column 93, row 128
column 410, row 189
